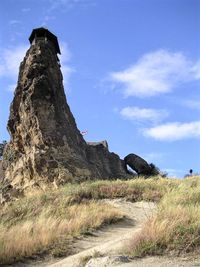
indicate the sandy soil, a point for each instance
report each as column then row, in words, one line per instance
column 145, row 262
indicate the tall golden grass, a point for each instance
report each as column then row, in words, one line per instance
column 45, row 222
column 176, row 225
column 47, row 231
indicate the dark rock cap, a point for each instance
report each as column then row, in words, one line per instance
column 43, row 32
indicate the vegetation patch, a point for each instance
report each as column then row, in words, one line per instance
column 152, row 189
column 176, row 225
column 46, row 222
column 27, row 229
column 85, row 259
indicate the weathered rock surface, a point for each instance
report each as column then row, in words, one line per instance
column 103, row 143
column 106, row 164
column 1, row 171
column 46, row 145
column 140, row 166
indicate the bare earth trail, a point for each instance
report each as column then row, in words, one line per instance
column 107, row 243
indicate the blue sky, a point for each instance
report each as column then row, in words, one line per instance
column 131, row 71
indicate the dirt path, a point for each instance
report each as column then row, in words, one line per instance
column 111, row 239
column 105, row 245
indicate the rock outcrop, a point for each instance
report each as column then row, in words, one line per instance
column 46, row 145
column 1, row 171
column 140, row 166
column 103, row 143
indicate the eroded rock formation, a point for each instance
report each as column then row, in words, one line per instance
column 103, row 143
column 1, row 171
column 140, row 166
column 46, row 145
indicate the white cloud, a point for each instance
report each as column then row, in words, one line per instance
column 64, row 60
column 143, row 114
column 11, row 88
column 154, row 156
column 174, row 131
column 26, row 9
column 191, row 103
column 67, row 4
column 196, row 69
column 46, row 19
column 14, row 22
column 174, row 173
column 10, row 60
column 155, row 73
column 65, row 52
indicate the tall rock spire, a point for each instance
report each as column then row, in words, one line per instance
column 46, row 145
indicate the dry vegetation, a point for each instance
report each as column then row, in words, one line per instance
column 176, row 226
column 134, row 190
column 42, row 224
column 46, row 222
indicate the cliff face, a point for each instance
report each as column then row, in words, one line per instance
column 46, row 145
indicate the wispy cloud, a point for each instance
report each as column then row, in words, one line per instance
column 154, row 156
column 68, row 4
column 9, row 64
column 143, row 114
column 11, row 87
column 156, row 73
column 196, row 69
column 191, row 103
column 14, row 22
column 55, row 7
column 174, row 173
column 46, row 19
column 10, row 60
column 174, row 131
column 67, row 70
column 26, row 9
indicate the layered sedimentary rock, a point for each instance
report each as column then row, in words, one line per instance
column 46, row 145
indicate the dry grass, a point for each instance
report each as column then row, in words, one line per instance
column 176, row 226
column 46, row 222
column 93, row 255
column 27, row 236
column 134, row 190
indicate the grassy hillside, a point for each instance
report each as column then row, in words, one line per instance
column 48, row 221
column 176, row 226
